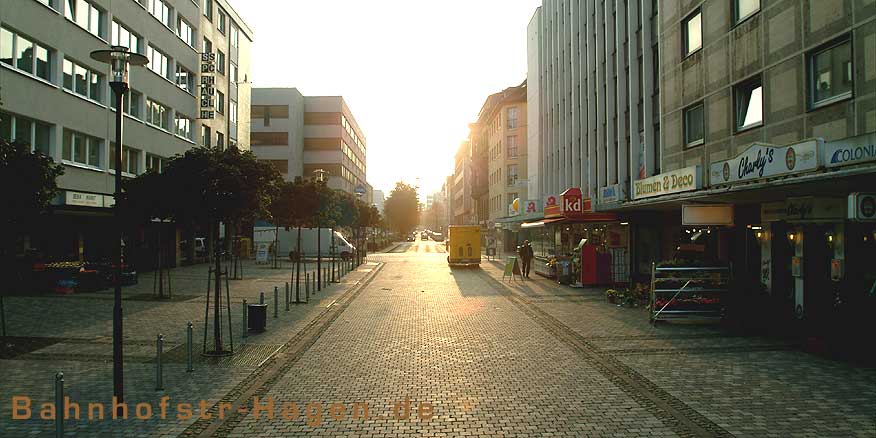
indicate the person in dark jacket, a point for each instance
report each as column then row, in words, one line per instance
column 526, row 255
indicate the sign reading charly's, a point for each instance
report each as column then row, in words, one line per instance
column 208, row 85
column 681, row 180
column 763, row 161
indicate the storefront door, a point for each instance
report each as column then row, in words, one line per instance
column 818, row 292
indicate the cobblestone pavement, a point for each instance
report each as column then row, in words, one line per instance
column 410, row 347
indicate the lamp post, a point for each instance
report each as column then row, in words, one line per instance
column 119, row 58
column 320, row 176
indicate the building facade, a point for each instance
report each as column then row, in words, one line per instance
column 302, row 134
column 460, row 183
column 56, row 98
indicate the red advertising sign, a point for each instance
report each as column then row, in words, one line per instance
column 552, row 208
column 573, row 202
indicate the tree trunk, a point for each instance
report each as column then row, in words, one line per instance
column 217, row 256
column 318, row 256
column 298, row 265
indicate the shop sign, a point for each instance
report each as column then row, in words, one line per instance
column 862, row 206
column 552, row 207
column 764, row 161
column 83, row 199
column 860, row 149
column 208, row 85
column 574, row 203
column 681, row 180
column 803, row 209
column 531, row 206
column 514, row 207
column 109, row 201
column 716, row 214
column 611, row 193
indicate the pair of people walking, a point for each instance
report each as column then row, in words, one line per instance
column 526, row 255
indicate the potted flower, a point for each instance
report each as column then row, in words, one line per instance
column 611, row 295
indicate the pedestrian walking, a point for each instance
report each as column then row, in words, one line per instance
column 526, row 255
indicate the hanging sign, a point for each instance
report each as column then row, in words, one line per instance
column 681, row 180
column 764, row 161
column 208, row 85
column 611, row 193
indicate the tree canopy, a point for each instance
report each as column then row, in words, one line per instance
column 402, row 208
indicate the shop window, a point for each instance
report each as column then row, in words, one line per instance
column 831, row 73
column 748, row 101
column 694, row 130
column 692, row 31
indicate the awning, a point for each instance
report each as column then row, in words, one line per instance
column 585, row 218
column 541, row 222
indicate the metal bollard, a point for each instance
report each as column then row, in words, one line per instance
column 159, row 373
column 189, row 348
column 261, row 298
column 59, row 405
column 287, row 296
column 306, row 286
column 276, row 300
column 245, row 327
column 298, row 291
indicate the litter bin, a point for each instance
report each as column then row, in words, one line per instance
column 257, row 317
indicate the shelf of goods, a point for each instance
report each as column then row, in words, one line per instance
column 688, row 291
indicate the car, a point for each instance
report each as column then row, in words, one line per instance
column 412, row 238
column 424, row 236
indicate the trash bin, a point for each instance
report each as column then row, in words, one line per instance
column 257, row 317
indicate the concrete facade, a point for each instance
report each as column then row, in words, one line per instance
column 278, row 129
column 460, row 199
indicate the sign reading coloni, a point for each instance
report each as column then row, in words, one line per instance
column 681, row 180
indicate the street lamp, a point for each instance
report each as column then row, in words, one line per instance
column 320, row 176
column 119, row 58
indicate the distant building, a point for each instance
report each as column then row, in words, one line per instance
column 378, row 200
column 460, row 193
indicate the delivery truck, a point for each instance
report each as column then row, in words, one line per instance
column 286, row 242
column 464, row 245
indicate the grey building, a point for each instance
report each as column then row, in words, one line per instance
column 56, row 98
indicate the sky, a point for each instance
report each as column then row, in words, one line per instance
column 414, row 73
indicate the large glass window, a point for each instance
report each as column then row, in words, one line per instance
column 232, row 111
column 205, row 135
column 511, row 142
column 185, row 79
column 183, row 126
column 25, row 55
column 278, row 139
column 692, row 29
column 220, row 20
column 220, row 62
column 185, row 32
column 512, row 174
column 83, row 81
column 831, row 73
column 220, row 102
column 234, row 38
column 85, row 15
column 157, row 114
column 160, row 10
column 156, row 163
column 81, row 148
column 208, row 9
column 31, row 132
column 131, row 103
column 158, row 62
column 122, row 36
column 748, row 98
column 694, row 130
column 512, row 117
column 743, row 9
column 130, row 159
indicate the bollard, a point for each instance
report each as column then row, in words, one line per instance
column 189, row 348
column 276, row 300
column 287, row 296
column 261, row 298
column 159, row 374
column 245, row 328
column 298, row 292
column 306, row 285
column 59, row 405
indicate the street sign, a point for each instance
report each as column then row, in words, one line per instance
column 360, row 190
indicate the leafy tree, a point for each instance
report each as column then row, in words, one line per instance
column 31, row 178
column 402, row 208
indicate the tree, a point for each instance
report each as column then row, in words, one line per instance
column 402, row 208
column 33, row 179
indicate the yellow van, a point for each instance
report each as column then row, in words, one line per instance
column 463, row 245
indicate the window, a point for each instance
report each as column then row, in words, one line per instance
column 131, row 103
column 81, row 148
column 160, row 10
column 232, row 72
column 274, row 139
column 512, row 146
column 742, row 9
column 158, row 62
column 220, row 102
column 232, row 111
column 85, row 15
column 183, row 126
column 155, row 163
column 694, row 130
column 512, row 174
column 185, row 32
column 748, row 98
column 208, row 9
column 50, row 3
column 220, row 62
column 122, row 36
column 220, row 20
column 830, row 73
column 268, row 112
column 692, row 30
column 207, row 46
column 185, row 79
column 235, row 37
column 26, row 55
column 130, row 159
column 157, row 114
column 82, row 81
column 31, row 132
column 205, row 135
column 220, row 140
column 512, row 117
